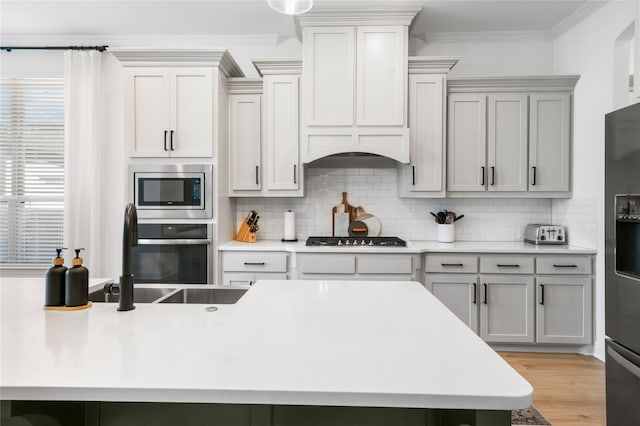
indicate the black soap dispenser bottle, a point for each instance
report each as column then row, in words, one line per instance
column 55, row 281
column 77, row 283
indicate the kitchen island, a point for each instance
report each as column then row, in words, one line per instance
column 287, row 353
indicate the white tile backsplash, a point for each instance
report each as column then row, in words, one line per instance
column 376, row 189
column 580, row 216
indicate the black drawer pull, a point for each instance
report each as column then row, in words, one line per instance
column 295, row 174
column 482, row 183
column 257, row 169
column 542, row 294
column 493, row 175
column 484, row 301
column 474, row 292
column 254, row 263
column 564, row 266
column 507, row 266
column 171, row 140
column 165, row 140
column 451, row 264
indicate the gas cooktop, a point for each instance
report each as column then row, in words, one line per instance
column 356, row 241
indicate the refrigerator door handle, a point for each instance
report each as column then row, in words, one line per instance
column 625, row 363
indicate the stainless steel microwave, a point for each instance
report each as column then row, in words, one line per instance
column 171, row 191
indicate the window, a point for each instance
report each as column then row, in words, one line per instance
column 31, row 170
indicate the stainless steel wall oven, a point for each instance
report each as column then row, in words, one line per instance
column 176, row 253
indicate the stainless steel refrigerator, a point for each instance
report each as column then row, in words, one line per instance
column 622, row 265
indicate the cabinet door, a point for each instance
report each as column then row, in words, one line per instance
column 282, row 160
column 563, row 310
column 426, row 132
column 147, row 112
column 329, row 74
column 466, row 147
column 549, row 142
column 507, row 308
column 244, row 137
column 191, row 112
column 507, row 142
column 381, row 70
column 458, row 292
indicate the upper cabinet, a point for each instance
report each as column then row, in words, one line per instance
column 355, row 82
column 424, row 175
column 170, row 99
column 509, row 136
column 264, row 131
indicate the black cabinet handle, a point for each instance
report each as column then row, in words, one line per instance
column 534, row 175
column 294, row 173
column 250, row 282
column 482, row 183
column 493, row 175
column 484, row 301
column 565, row 266
column 542, row 294
column 451, row 264
column 171, row 140
column 413, row 171
column 257, row 169
column 254, row 263
column 474, row 292
column 165, row 140
column 507, row 266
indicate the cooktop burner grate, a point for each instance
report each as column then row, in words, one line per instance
column 356, row 241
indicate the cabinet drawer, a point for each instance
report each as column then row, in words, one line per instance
column 506, row 264
column 254, row 261
column 384, row 264
column 328, row 263
column 563, row 264
column 451, row 263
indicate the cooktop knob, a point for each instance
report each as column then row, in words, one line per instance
column 370, row 242
column 339, row 242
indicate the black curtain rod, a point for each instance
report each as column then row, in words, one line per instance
column 10, row 48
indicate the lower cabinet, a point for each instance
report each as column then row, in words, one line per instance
column 527, row 299
column 245, row 268
column 357, row 266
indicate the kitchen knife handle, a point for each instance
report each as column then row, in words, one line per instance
column 171, row 140
column 493, row 175
column 295, row 167
column 542, row 294
column 413, row 171
column 257, row 170
column 482, row 183
column 484, row 301
column 475, row 290
column 534, row 175
column 254, row 263
column 165, row 140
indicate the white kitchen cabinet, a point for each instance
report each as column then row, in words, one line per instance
column 507, row 309
column 247, row 267
column 355, row 82
column 563, row 310
column 358, row 266
column 509, row 136
column 245, row 143
column 424, row 176
column 550, row 142
column 458, row 292
column 169, row 112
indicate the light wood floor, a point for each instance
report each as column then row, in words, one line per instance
column 568, row 389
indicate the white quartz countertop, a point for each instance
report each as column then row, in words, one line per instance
column 413, row 247
column 285, row 342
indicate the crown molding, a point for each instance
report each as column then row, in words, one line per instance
column 148, row 57
column 578, row 15
column 512, row 83
column 244, row 86
column 431, row 64
column 278, row 66
column 483, row 36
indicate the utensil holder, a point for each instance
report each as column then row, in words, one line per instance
column 446, row 233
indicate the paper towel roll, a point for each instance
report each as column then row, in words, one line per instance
column 289, row 226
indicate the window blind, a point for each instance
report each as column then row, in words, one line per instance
column 31, row 170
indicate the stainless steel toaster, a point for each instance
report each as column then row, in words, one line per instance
column 536, row 233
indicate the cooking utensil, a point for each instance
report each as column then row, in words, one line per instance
column 357, row 228
column 372, row 222
column 348, row 208
column 458, row 218
column 450, row 218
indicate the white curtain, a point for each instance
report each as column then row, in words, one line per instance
column 83, row 154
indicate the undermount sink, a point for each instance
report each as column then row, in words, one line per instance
column 140, row 295
column 214, row 296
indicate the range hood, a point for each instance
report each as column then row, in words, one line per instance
column 358, row 160
column 392, row 145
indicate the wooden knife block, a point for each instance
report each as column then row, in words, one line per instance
column 245, row 234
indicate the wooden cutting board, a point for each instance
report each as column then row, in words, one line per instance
column 348, row 208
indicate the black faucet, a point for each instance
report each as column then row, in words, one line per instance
column 129, row 240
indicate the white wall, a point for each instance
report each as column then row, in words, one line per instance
column 31, row 64
column 588, row 49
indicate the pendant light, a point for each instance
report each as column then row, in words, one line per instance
column 291, row 7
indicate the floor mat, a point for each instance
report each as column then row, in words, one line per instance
column 529, row 416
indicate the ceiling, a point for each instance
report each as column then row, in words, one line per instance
column 97, row 18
